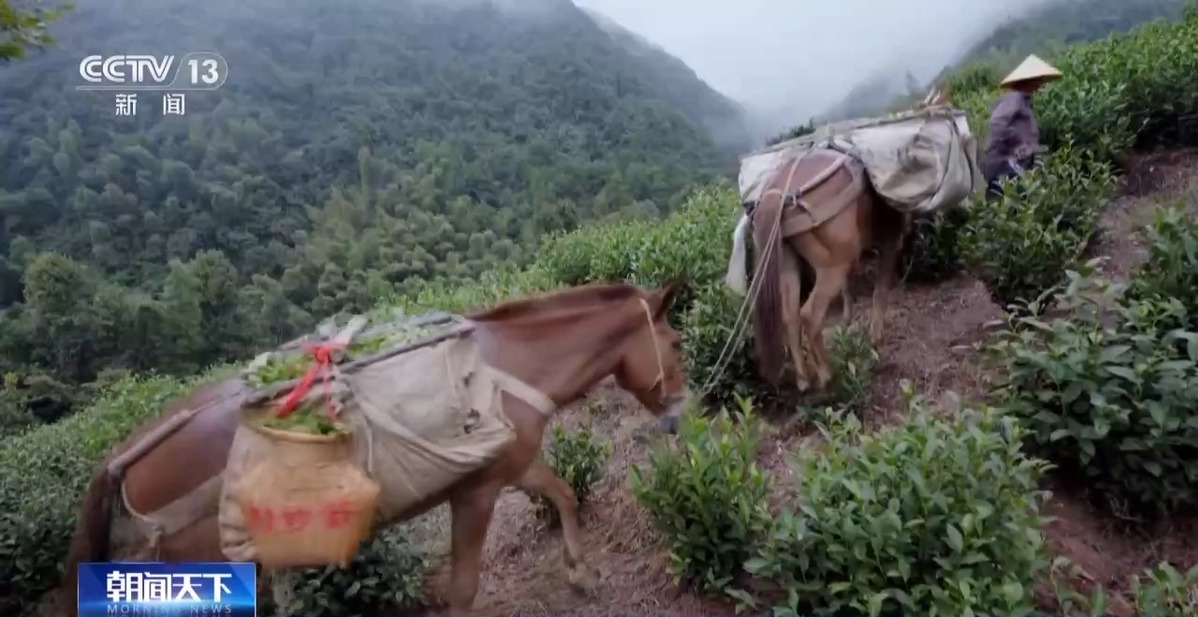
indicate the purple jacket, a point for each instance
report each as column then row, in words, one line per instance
column 1013, row 134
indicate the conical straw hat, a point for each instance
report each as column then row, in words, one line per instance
column 1032, row 68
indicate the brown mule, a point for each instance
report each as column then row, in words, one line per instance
column 561, row 344
column 817, row 215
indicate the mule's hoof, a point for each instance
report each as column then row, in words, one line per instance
column 583, row 580
column 647, row 432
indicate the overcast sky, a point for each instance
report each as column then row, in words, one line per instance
column 795, row 57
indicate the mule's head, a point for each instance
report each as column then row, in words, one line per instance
column 651, row 366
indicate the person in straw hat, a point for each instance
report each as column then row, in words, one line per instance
column 1013, row 140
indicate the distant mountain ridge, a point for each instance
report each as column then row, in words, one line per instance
column 722, row 117
column 1046, row 28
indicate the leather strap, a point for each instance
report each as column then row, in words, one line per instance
column 516, row 387
column 801, row 215
column 198, row 504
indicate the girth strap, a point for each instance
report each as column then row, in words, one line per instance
column 516, row 387
column 198, row 504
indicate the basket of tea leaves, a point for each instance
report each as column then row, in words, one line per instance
column 307, row 503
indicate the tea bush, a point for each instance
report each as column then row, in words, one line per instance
column 707, row 494
column 386, row 575
column 937, row 516
column 599, row 253
column 694, row 241
column 1107, row 391
column 579, row 458
column 713, row 358
column 1171, row 270
column 492, row 287
column 1163, row 590
column 853, row 364
column 44, row 473
column 1020, row 244
column 931, row 251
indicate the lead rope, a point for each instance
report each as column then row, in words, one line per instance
column 742, row 322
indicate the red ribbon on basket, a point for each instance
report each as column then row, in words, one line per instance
column 324, row 359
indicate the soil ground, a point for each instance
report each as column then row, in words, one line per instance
column 930, row 340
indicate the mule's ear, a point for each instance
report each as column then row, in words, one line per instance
column 669, row 294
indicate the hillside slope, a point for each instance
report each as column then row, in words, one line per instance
column 1050, row 27
column 723, row 118
column 355, row 150
column 1067, row 22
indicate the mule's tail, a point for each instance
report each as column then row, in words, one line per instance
column 737, row 277
column 768, row 328
column 91, row 530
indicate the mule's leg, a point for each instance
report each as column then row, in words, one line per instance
column 888, row 256
column 282, row 588
column 471, row 517
column 828, row 284
column 792, row 304
column 540, row 479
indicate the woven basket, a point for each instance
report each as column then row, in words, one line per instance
column 307, row 503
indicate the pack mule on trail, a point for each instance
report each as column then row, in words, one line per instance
column 817, row 215
column 561, row 344
column 815, row 203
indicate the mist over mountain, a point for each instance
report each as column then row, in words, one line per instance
column 1041, row 28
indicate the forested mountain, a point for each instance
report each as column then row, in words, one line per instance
column 1051, row 26
column 356, row 148
column 1067, row 22
column 681, row 87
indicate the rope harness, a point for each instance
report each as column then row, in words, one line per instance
column 742, row 321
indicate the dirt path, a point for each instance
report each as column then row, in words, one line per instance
column 931, row 342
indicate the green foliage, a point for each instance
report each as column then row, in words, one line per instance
column 1108, row 391
column 492, row 287
column 707, row 494
column 579, row 457
column 937, row 516
column 1171, row 270
column 692, row 242
column 599, row 253
column 974, row 76
column 931, row 251
column 23, row 28
column 853, row 364
column 1021, row 243
column 1163, row 590
column 386, row 575
column 43, row 475
column 716, row 359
